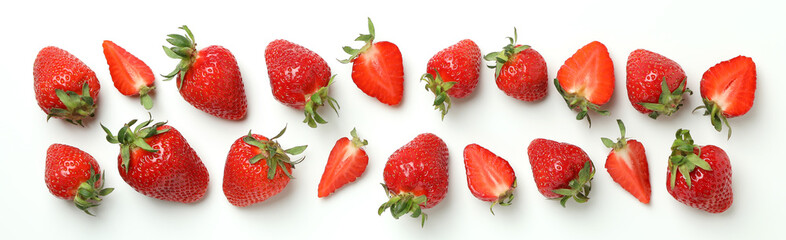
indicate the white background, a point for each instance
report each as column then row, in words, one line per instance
column 697, row 35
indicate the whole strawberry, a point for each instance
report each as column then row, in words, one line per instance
column 208, row 79
column 453, row 73
column 64, row 86
column 73, row 174
column 627, row 165
column 257, row 168
column 130, row 75
column 520, row 71
column 299, row 79
column 655, row 83
column 377, row 68
column 158, row 162
column 728, row 90
column 586, row 80
column 416, row 177
column 561, row 170
column 489, row 177
column 699, row 176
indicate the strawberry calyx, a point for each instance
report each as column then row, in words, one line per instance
column 357, row 141
column 184, row 48
column 440, row 89
column 622, row 142
column 669, row 101
column 319, row 98
column 685, row 158
column 144, row 96
column 579, row 187
column 579, row 103
column 130, row 140
column 274, row 155
column 88, row 195
column 402, row 203
column 504, row 199
column 712, row 109
column 508, row 51
column 367, row 38
column 78, row 106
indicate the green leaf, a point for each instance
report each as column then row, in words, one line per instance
column 608, row 142
column 146, row 101
column 256, row 159
column 178, row 40
column 697, row 161
column 171, row 54
column 296, row 150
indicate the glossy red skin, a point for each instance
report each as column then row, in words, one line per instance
column 346, row 163
column 458, row 63
column 524, row 76
column 295, row 72
column 554, row 164
column 645, row 72
column 214, row 85
column 736, row 80
column 126, row 69
column 68, row 167
column 379, row 72
column 488, row 175
column 710, row 190
column 635, row 178
column 55, row 68
column 589, row 73
column 173, row 173
column 246, row 183
column 420, row 167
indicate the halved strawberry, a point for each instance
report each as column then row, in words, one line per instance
column 490, row 177
column 130, row 75
column 728, row 90
column 377, row 68
column 627, row 165
column 347, row 161
column 586, row 80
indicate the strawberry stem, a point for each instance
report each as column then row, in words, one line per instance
column 504, row 199
column 88, row 195
column 367, row 38
column 579, row 103
column 501, row 57
column 579, row 187
column 402, row 203
column 274, row 155
column 621, row 143
column 440, row 89
column 685, row 158
column 78, row 106
column 712, row 109
column 130, row 140
column 669, row 101
column 317, row 100
column 184, row 49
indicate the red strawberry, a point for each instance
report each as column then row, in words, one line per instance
column 453, row 72
column 728, row 89
column 257, row 168
column 130, row 75
column 299, row 79
column 706, row 171
column 73, row 174
column 377, row 68
column 561, row 170
column 416, row 177
column 627, row 165
column 158, row 162
column 347, row 161
column 655, row 83
column 208, row 79
column 586, row 80
column 520, row 71
column 64, row 86
column 490, row 178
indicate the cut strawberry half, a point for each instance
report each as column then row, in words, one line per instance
column 130, row 75
column 347, row 161
column 627, row 165
column 490, row 177
column 586, row 80
column 728, row 90
column 377, row 68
